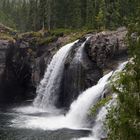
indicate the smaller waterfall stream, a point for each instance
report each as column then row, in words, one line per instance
column 79, row 54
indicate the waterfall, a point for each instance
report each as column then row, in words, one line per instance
column 75, row 118
column 80, row 107
column 48, row 89
column 74, row 75
column 79, row 54
column 98, row 130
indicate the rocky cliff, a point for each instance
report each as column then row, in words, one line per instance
column 24, row 59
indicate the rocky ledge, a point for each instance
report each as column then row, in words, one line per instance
column 23, row 61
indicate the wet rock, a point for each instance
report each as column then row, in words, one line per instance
column 15, row 81
column 104, row 47
column 3, row 48
column 22, row 65
column 101, row 53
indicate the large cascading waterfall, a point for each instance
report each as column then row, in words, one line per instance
column 47, row 92
column 76, row 118
column 49, row 87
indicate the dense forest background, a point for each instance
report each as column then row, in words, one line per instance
column 27, row 15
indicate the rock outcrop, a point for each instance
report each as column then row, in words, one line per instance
column 3, row 49
column 23, row 62
column 106, row 47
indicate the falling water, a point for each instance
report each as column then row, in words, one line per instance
column 75, row 118
column 49, row 87
column 79, row 108
column 98, row 130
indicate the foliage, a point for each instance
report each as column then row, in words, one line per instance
column 33, row 15
column 6, row 37
column 99, row 104
column 124, row 119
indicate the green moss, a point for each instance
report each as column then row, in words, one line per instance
column 61, row 30
column 100, row 104
column 4, row 36
column 30, row 34
column 47, row 40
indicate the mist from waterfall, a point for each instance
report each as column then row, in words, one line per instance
column 48, row 89
column 98, row 130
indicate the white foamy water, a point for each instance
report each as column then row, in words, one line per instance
column 49, row 86
column 79, row 108
column 98, row 130
column 74, row 119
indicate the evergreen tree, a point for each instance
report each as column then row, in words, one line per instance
column 34, row 15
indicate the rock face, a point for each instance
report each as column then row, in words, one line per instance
column 3, row 48
column 105, row 47
column 23, row 63
column 16, row 77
